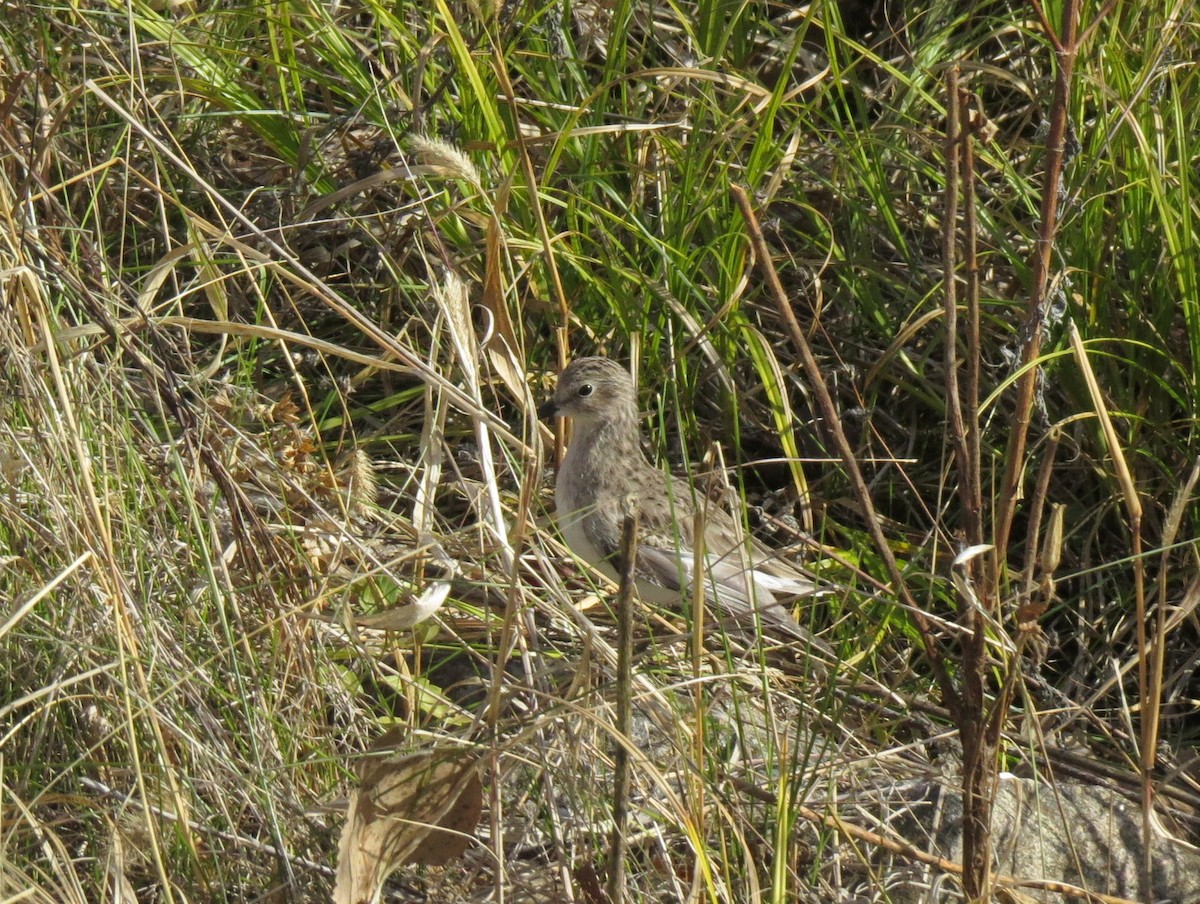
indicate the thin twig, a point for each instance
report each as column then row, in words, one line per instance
column 624, row 705
column 973, row 594
column 1031, row 331
column 838, row 437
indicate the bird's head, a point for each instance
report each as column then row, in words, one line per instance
column 590, row 389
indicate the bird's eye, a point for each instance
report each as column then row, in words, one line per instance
column 585, row 390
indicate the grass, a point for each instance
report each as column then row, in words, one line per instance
column 244, row 406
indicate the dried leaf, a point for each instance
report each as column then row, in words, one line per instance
column 1052, row 544
column 119, row 888
column 501, row 342
column 1028, row 615
column 285, row 411
column 419, row 808
column 401, row 618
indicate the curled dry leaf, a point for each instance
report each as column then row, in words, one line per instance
column 401, row 618
column 419, row 808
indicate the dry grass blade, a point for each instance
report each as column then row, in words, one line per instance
column 451, row 295
column 23, row 609
column 1133, row 505
column 222, row 247
column 120, row 889
column 624, row 715
column 418, row 808
column 1149, row 681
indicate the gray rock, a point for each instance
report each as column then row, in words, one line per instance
column 1083, row 835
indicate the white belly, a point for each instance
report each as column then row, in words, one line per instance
column 570, row 515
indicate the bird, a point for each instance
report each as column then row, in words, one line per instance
column 605, row 470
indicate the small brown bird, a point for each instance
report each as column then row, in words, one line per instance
column 604, row 466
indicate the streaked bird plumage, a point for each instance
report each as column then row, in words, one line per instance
column 604, row 466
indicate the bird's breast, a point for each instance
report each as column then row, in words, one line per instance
column 575, row 497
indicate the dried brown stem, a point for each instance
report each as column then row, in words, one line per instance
column 838, row 439
column 624, row 707
column 1067, row 47
column 973, row 500
column 976, row 591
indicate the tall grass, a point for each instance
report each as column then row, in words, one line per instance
column 237, row 416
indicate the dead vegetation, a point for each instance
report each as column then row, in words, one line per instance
column 281, row 289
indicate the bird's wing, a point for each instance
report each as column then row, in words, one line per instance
column 732, row 590
column 733, row 585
